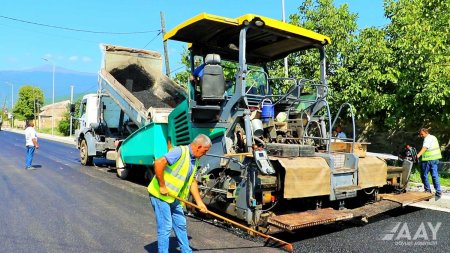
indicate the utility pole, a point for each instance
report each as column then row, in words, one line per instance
column 53, row 92
column 71, row 114
column 34, row 106
column 39, row 116
column 166, row 52
column 12, row 103
column 286, row 72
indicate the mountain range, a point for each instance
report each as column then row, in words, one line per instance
column 42, row 77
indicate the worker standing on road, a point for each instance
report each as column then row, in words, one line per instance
column 174, row 175
column 31, row 144
column 431, row 153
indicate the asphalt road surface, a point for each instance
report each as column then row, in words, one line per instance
column 65, row 207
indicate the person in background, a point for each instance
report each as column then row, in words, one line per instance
column 31, row 144
column 197, row 74
column 174, row 176
column 339, row 133
column 430, row 153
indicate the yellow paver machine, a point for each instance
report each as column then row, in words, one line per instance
column 274, row 163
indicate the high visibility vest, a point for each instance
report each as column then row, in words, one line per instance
column 175, row 177
column 433, row 152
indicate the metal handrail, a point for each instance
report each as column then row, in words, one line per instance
column 291, row 90
column 265, row 75
column 328, row 138
column 353, row 122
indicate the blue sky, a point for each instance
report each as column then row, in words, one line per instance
column 22, row 46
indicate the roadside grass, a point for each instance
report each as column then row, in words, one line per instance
column 49, row 131
column 444, row 179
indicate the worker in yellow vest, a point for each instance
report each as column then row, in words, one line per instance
column 174, row 176
column 431, row 153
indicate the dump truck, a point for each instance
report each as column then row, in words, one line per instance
column 132, row 93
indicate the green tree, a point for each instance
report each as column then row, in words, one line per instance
column 64, row 124
column 340, row 25
column 30, row 99
column 182, row 77
column 397, row 77
column 360, row 64
column 419, row 38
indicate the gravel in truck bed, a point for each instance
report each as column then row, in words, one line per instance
column 152, row 89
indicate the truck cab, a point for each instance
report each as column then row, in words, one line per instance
column 88, row 112
column 99, row 127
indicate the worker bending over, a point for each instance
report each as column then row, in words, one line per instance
column 174, row 176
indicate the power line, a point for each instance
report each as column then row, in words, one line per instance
column 77, row 30
column 88, row 89
column 173, row 71
column 160, row 31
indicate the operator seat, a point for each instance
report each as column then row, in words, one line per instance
column 212, row 92
column 213, row 81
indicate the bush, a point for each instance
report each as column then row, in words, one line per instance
column 64, row 126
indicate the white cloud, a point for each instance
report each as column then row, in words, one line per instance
column 86, row 59
column 73, row 58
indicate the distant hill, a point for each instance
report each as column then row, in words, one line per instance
column 42, row 77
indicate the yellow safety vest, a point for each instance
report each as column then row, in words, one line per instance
column 433, row 152
column 175, row 176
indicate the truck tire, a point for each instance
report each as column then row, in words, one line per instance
column 149, row 173
column 122, row 169
column 123, row 173
column 85, row 159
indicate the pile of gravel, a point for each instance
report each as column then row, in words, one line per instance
column 152, row 89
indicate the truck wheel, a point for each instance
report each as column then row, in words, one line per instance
column 123, row 173
column 149, row 173
column 84, row 157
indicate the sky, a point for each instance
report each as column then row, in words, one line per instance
column 23, row 45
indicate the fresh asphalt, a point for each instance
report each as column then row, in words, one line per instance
column 65, row 207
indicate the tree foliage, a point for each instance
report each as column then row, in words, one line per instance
column 64, row 124
column 418, row 36
column 389, row 73
column 182, row 77
column 29, row 101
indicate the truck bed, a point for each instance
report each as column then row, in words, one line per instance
column 134, row 80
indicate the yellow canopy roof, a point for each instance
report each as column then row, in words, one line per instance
column 271, row 41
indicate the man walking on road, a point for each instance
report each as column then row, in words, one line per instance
column 431, row 153
column 174, row 176
column 31, row 144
